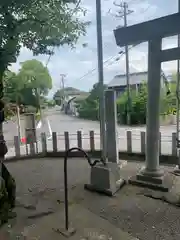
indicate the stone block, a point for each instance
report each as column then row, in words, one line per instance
column 105, row 179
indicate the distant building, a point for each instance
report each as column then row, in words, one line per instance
column 119, row 82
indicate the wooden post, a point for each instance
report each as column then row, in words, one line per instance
column 44, row 142
column 143, row 142
column 54, row 141
column 92, row 144
column 129, row 141
column 17, row 146
column 79, row 139
column 66, row 139
column 174, row 149
column 32, row 148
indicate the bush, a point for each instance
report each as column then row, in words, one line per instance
column 89, row 109
column 139, row 106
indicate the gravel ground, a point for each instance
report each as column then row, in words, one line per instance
column 41, row 181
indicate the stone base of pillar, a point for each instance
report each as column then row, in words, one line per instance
column 105, row 179
column 151, row 179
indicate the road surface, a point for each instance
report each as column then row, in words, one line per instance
column 60, row 123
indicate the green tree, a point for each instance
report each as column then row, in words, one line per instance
column 37, row 25
column 32, row 82
column 35, row 76
column 89, row 108
column 57, row 97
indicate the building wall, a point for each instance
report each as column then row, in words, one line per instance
column 121, row 89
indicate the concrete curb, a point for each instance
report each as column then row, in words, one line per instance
column 167, row 159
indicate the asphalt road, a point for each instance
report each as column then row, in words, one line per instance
column 60, row 123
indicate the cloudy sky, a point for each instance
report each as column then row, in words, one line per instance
column 80, row 64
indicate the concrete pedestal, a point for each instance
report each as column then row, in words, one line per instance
column 153, row 180
column 105, row 179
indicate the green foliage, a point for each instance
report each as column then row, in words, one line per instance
column 28, row 87
column 139, row 102
column 50, row 103
column 33, row 75
column 89, row 108
column 139, row 105
column 32, row 80
column 58, row 96
column 39, row 26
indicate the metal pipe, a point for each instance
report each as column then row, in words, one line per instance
column 92, row 164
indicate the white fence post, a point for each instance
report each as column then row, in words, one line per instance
column 174, row 148
column 92, row 143
column 32, row 148
column 129, row 141
column 79, row 139
column 66, row 140
column 54, row 141
column 44, row 142
column 143, row 142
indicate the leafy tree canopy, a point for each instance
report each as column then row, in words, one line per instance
column 34, row 75
column 21, row 88
column 37, row 25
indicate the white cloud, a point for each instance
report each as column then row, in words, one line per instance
column 77, row 62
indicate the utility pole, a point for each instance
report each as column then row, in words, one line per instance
column 101, row 79
column 178, row 89
column 62, row 84
column 122, row 13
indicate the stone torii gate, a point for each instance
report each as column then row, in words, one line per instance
column 152, row 32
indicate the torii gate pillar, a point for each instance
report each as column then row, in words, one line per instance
column 153, row 32
column 153, row 109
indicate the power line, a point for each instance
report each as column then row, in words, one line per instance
column 106, row 61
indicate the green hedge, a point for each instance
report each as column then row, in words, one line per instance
column 89, row 108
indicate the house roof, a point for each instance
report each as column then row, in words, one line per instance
column 134, row 78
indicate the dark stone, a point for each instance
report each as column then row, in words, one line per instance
column 10, row 185
column 3, row 148
column 2, row 117
column 4, row 204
